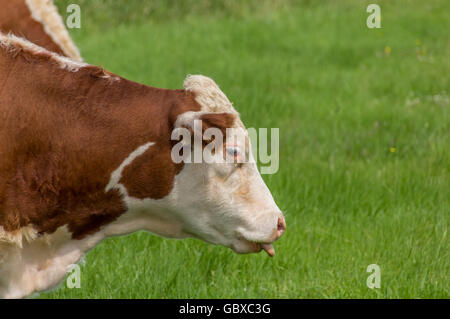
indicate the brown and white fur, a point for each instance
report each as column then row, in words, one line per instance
column 39, row 22
column 85, row 154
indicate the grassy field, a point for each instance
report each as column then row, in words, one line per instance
column 364, row 118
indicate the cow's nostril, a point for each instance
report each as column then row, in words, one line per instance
column 281, row 225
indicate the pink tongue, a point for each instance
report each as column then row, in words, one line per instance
column 269, row 249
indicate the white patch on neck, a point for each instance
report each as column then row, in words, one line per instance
column 147, row 213
column 12, row 43
column 46, row 13
column 117, row 174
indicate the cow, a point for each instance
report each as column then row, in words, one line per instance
column 86, row 154
column 39, row 22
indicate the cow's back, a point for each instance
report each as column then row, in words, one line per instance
column 39, row 22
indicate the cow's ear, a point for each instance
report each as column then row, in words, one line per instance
column 193, row 129
column 198, row 122
column 221, row 121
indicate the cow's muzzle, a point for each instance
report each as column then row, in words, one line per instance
column 281, row 228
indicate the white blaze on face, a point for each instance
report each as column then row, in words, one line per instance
column 227, row 203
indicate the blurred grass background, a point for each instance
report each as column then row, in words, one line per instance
column 364, row 142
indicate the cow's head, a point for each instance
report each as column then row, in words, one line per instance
column 221, row 199
column 225, row 200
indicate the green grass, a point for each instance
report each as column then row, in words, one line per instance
column 342, row 101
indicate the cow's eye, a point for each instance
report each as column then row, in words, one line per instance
column 233, row 151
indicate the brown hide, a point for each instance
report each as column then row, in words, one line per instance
column 15, row 17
